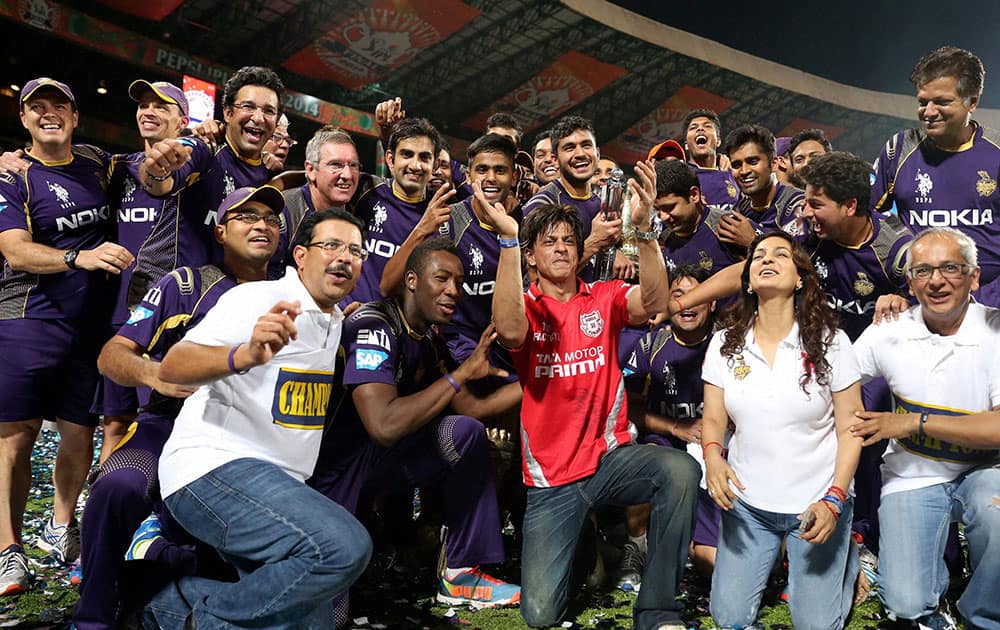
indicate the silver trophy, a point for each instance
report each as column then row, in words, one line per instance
column 612, row 198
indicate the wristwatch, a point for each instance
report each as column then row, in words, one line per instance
column 70, row 258
column 651, row 235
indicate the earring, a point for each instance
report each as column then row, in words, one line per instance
column 798, row 287
column 749, row 290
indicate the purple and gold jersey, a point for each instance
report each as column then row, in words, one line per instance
column 389, row 218
column 930, row 187
column 718, row 188
column 783, row 213
column 479, row 251
column 668, row 373
column 63, row 205
column 379, row 347
column 201, row 184
column 176, row 303
column 854, row 277
column 703, row 247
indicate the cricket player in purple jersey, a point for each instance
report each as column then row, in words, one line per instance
column 764, row 200
column 804, row 146
column 391, row 427
column 663, row 375
column 204, row 174
column 573, row 141
column 702, row 138
column 55, row 225
column 391, row 210
column 944, row 174
column 125, row 489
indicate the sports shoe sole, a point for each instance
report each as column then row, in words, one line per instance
column 477, row 605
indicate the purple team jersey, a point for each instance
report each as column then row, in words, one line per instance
column 703, row 247
column 930, row 187
column 373, row 353
column 854, row 277
column 177, row 302
column 718, row 187
column 202, row 183
column 479, row 251
column 668, row 373
column 783, row 213
column 62, row 205
column 389, row 219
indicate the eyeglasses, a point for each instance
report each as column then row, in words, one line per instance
column 336, row 166
column 250, row 218
column 336, row 247
column 949, row 270
column 250, row 109
column 280, row 139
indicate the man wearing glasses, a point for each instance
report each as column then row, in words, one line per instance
column 232, row 471
column 204, row 175
column 938, row 358
column 276, row 149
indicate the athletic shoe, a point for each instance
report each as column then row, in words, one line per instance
column 867, row 582
column 14, row 576
column 478, row 590
column 61, row 541
column 633, row 564
column 148, row 531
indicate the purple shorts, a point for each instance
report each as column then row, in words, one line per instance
column 115, row 401
column 49, row 371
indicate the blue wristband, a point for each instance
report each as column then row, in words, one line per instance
column 508, row 243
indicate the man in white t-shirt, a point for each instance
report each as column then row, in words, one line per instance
column 232, row 471
column 938, row 358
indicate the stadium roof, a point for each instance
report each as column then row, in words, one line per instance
column 457, row 61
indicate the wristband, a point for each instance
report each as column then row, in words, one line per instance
column 159, row 178
column 454, row 383
column 920, row 430
column 830, row 507
column 704, row 447
column 232, row 364
column 838, row 492
column 508, row 243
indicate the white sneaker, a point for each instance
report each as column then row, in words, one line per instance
column 633, row 564
column 14, row 575
column 61, row 541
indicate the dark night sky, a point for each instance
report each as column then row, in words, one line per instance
column 871, row 45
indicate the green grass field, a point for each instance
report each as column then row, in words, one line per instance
column 385, row 597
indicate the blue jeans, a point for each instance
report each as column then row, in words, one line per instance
column 629, row 475
column 914, row 524
column 820, row 577
column 294, row 548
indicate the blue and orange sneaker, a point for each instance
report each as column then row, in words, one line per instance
column 148, row 531
column 474, row 588
column 76, row 573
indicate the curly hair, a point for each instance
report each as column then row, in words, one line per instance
column 817, row 321
column 842, row 176
column 251, row 75
column 949, row 61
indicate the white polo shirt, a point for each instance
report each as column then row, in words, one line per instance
column 954, row 375
column 784, row 447
column 276, row 411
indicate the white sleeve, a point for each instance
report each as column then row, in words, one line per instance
column 233, row 317
column 844, row 370
column 714, row 367
column 864, row 351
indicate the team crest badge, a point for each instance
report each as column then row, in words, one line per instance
column 731, row 190
column 591, row 324
column 669, row 379
column 924, row 186
column 704, row 261
column 863, row 286
column 741, row 370
column 821, row 269
column 986, row 185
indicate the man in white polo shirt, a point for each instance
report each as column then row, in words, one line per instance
column 232, row 471
column 938, row 358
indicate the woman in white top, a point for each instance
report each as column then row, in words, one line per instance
column 789, row 381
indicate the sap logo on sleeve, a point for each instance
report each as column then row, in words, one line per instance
column 366, row 359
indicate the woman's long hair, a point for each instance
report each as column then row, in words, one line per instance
column 817, row 321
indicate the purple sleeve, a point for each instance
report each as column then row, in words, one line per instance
column 371, row 352
column 193, row 169
column 881, row 178
column 458, row 173
column 161, row 309
column 13, row 215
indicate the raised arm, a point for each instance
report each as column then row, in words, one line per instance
column 654, row 287
column 438, row 211
column 508, row 294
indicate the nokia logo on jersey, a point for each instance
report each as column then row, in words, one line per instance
column 852, row 307
column 479, row 288
column 582, row 361
column 951, row 218
column 137, row 215
column 82, row 218
column 385, row 249
column 682, row 411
